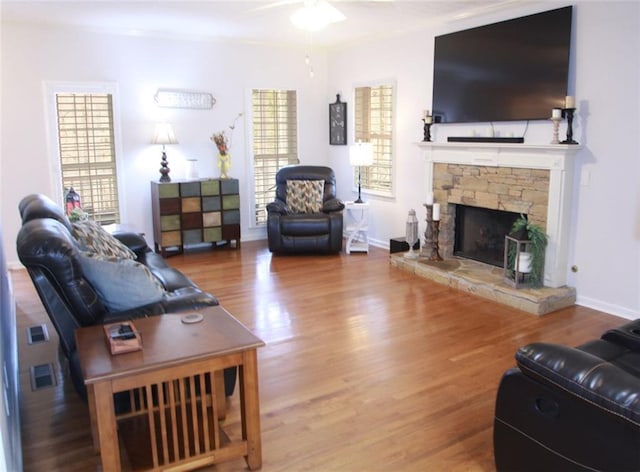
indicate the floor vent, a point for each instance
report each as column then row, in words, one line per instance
column 42, row 376
column 37, row 334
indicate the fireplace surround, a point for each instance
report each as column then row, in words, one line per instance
column 536, row 180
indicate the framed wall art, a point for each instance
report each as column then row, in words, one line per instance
column 338, row 122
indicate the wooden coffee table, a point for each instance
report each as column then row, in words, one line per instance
column 175, row 391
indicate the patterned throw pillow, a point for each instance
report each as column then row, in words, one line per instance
column 305, row 196
column 93, row 238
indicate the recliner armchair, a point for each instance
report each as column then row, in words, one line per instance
column 572, row 409
column 52, row 256
column 310, row 222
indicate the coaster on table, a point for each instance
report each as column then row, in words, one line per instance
column 192, row 318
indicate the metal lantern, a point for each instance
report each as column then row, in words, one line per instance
column 411, row 234
column 517, row 261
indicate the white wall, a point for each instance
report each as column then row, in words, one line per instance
column 605, row 77
column 33, row 57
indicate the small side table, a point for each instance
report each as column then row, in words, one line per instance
column 181, row 428
column 357, row 226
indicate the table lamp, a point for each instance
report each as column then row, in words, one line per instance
column 164, row 135
column 360, row 154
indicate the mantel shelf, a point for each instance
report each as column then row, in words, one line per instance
column 535, row 156
column 497, row 146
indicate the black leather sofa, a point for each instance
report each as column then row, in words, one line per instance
column 293, row 232
column 572, row 409
column 52, row 256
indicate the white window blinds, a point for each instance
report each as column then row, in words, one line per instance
column 374, row 124
column 275, row 142
column 87, row 152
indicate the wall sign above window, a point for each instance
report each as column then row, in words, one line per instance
column 177, row 98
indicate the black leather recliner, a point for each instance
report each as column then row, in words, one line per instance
column 572, row 409
column 48, row 250
column 290, row 232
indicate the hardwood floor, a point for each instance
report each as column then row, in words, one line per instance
column 366, row 366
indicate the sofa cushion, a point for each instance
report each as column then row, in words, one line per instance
column 121, row 284
column 304, row 225
column 305, row 196
column 93, row 238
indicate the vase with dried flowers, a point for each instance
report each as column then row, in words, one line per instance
column 223, row 143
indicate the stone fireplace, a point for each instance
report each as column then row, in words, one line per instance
column 535, row 180
column 502, row 189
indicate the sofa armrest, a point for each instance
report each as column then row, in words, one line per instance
column 333, row 204
column 584, row 375
column 182, row 300
column 627, row 335
column 133, row 241
column 278, row 207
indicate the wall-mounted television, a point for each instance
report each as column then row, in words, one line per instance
column 514, row 70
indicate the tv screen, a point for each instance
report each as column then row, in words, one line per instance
column 508, row 71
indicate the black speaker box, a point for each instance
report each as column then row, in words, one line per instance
column 401, row 245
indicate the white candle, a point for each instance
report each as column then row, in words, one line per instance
column 425, row 113
column 429, row 198
column 570, row 101
column 524, row 262
column 428, row 119
column 556, row 113
column 436, row 212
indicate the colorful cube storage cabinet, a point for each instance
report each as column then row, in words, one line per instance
column 195, row 212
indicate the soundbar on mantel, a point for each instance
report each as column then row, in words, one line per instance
column 484, row 139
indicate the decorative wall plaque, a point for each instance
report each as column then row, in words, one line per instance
column 177, row 98
column 338, row 122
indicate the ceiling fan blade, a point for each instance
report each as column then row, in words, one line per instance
column 280, row 3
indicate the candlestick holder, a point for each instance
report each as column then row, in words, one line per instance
column 556, row 128
column 568, row 112
column 426, row 130
column 428, row 232
column 435, row 255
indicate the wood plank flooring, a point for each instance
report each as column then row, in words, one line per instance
column 366, row 366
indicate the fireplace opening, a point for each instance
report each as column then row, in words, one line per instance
column 479, row 233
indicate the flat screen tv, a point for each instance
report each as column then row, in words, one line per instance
column 514, row 70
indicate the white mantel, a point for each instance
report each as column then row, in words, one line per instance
column 557, row 158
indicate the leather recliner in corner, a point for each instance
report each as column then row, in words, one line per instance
column 572, row 409
column 48, row 250
column 290, row 232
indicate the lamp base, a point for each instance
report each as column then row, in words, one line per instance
column 164, row 169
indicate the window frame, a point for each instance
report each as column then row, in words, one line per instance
column 50, row 91
column 254, row 224
column 365, row 190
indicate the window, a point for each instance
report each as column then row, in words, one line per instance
column 374, row 124
column 275, row 142
column 87, row 152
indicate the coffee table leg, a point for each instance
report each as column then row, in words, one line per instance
column 250, row 409
column 106, row 426
column 92, row 416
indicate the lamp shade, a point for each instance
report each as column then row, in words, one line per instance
column 361, row 154
column 164, row 134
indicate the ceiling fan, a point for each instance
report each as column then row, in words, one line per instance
column 313, row 15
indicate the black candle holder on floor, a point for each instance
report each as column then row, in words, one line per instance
column 428, row 232
column 435, row 254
